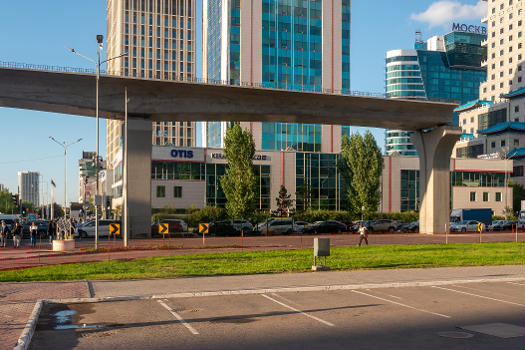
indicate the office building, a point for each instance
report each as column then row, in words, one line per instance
column 496, row 121
column 474, row 183
column 29, row 186
column 159, row 37
column 304, row 46
column 444, row 68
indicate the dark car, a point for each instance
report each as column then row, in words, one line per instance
column 329, row 226
column 409, row 227
column 42, row 227
column 223, row 228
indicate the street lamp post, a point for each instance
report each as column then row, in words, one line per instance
column 65, row 145
column 98, row 63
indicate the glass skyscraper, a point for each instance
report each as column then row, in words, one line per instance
column 445, row 68
column 301, row 45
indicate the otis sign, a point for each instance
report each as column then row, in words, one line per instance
column 460, row 27
column 181, row 153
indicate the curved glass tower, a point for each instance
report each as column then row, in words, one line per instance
column 403, row 80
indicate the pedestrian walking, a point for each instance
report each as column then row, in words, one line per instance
column 17, row 234
column 4, row 231
column 33, row 231
column 363, row 234
column 51, row 230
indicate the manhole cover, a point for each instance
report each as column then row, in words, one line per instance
column 456, row 335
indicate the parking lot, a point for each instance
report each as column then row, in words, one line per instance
column 476, row 315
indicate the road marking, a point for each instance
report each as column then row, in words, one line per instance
column 479, row 296
column 482, row 290
column 517, row 284
column 401, row 304
column 390, row 295
column 299, row 311
column 178, row 317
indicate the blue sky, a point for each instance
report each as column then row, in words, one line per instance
column 37, row 32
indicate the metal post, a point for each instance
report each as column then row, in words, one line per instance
column 96, row 153
column 125, row 172
column 65, row 182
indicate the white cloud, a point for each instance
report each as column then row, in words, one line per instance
column 445, row 12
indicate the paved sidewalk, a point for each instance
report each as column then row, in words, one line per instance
column 289, row 280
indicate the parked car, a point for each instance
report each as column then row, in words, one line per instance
column 242, row 225
column 223, row 228
column 300, row 226
column 464, row 226
column 329, row 226
column 174, row 225
column 41, row 224
column 384, row 225
column 354, row 227
column 88, row 228
column 497, row 225
column 276, row 227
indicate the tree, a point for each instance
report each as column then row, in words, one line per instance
column 284, row 201
column 303, row 195
column 6, row 203
column 239, row 182
column 361, row 167
column 518, row 195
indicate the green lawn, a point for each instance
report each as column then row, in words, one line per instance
column 276, row 261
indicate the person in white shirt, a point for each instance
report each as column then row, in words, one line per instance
column 363, row 234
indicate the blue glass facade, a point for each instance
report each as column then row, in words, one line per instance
column 214, row 134
column 291, row 58
column 453, row 75
column 291, row 136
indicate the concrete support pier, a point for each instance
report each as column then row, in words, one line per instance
column 434, row 149
column 139, row 177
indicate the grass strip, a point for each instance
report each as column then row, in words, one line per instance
column 279, row 261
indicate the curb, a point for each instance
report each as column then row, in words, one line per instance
column 27, row 334
column 25, row 338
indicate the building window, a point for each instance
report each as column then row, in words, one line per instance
column 161, row 191
column 498, row 196
column 472, row 196
column 177, row 191
column 485, row 196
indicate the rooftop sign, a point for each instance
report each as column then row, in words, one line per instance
column 468, row 28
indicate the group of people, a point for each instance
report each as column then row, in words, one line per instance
column 16, row 233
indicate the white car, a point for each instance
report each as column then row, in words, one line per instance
column 88, row 229
column 242, row 225
column 465, row 226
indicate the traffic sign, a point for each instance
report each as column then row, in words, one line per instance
column 480, row 227
column 32, row 217
column 163, row 228
column 114, row 229
column 203, row 228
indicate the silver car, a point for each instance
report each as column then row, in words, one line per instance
column 277, row 227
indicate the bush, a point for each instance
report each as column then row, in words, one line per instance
column 322, row 215
column 206, row 214
column 406, row 216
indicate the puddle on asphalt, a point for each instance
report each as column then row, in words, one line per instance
column 63, row 321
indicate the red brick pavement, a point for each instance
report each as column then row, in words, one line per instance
column 17, row 301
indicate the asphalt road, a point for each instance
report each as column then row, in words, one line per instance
column 476, row 315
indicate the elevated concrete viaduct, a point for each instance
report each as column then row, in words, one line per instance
column 154, row 100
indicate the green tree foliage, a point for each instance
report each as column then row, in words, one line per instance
column 518, row 195
column 284, row 202
column 6, row 203
column 239, row 182
column 361, row 167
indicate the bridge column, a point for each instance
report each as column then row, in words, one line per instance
column 139, row 177
column 434, row 149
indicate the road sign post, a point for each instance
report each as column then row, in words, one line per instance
column 164, row 229
column 204, row 229
column 480, row 229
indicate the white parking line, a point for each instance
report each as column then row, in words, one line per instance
column 178, row 317
column 517, row 284
column 401, row 304
column 299, row 311
column 388, row 295
column 479, row 296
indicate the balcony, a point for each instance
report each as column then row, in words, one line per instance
column 485, row 42
column 484, row 63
